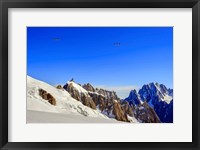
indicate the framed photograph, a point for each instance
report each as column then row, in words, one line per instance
column 107, row 74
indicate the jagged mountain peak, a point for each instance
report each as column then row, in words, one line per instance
column 157, row 96
column 156, row 90
column 133, row 91
column 133, row 98
column 88, row 87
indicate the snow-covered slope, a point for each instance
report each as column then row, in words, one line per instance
column 65, row 104
column 49, row 117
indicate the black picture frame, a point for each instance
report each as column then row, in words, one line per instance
column 6, row 4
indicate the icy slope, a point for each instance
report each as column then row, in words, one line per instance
column 49, row 117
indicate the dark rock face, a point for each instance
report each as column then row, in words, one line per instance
column 148, row 92
column 72, row 91
column 47, row 96
column 103, row 103
column 87, row 101
column 82, row 97
column 153, row 96
column 133, row 98
column 99, row 100
column 128, row 109
column 88, row 87
column 164, row 111
column 109, row 103
column 110, row 95
column 145, row 114
column 59, row 87
column 170, row 92
column 119, row 113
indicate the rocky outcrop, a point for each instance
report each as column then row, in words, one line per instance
column 47, row 96
column 108, row 100
column 80, row 96
column 133, row 98
column 102, row 98
column 88, row 87
column 72, row 91
column 127, row 108
column 59, row 87
column 109, row 95
column 142, row 106
column 87, row 101
column 109, row 103
column 145, row 114
column 119, row 113
column 99, row 100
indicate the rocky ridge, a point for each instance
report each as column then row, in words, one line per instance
column 109, row 104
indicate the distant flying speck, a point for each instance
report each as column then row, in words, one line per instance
column 117, row 44
column 56, row 39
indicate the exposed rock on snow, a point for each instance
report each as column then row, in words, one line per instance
column 87, row 101
column 59, row 87
column 47, row 96
column 89, row 87
column 119, row 113
column 80, row 94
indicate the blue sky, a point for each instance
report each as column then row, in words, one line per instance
column 116, row 58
